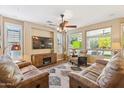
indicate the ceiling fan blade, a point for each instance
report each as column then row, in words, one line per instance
column 71, row 26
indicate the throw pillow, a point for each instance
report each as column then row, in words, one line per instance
column 112, row 73
column 9, row 71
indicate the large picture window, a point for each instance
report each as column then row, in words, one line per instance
column 99, row 42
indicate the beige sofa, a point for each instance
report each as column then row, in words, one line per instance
column 100, row 74
column 32, row 77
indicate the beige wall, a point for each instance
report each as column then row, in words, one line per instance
column 114, row 24
column 2, row 20
column 116, row 31
column 30, row 30
column 1, row 31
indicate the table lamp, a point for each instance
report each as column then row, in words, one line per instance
column 11, row 47
column 16, row 47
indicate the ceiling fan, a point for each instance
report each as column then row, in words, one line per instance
column 65, row 24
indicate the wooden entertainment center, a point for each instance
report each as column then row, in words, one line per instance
column 41, row 60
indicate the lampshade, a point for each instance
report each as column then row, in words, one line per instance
column 16, row 47
column 116, row 45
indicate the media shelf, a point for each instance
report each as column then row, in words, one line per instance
column 41, row 60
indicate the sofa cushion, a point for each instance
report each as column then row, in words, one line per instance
column 85, row 81
column 28, row 69
column 96, row 67
column 112, row 73
column 89, row 74
column 92, row 72
column 103, row 62
column 9, row 71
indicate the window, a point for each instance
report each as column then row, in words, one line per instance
column 59, row 42
column 99, row 42
column 75, row 42
column 13, row 34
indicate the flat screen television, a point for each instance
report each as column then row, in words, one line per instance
column 42, row 42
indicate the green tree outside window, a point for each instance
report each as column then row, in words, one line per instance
column 104, row 42
column 76, row 44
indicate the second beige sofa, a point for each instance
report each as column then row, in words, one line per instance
column 100, row 74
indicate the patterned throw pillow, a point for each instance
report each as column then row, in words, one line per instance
column 112, row 73
column 9, row 71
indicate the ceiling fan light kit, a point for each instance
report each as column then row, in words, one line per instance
column 65, row 24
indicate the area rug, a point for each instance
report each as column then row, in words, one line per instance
column 54, row 81
column 58, row 75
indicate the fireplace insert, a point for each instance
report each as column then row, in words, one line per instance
column 47, row 60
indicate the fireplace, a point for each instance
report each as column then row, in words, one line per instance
column 41, row 60
column 47, row 60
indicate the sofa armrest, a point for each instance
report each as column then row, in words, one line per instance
column 103, row 62
column 33, row 79
column 83, row 80
column 23, row 64
column 3, row 85
column 8, row 85
column 93, row 71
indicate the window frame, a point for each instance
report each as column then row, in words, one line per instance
column 83, row 45
column 60, row 44
column 6, row 38
column 99, row 49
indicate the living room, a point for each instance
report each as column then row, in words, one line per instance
column 60, row 48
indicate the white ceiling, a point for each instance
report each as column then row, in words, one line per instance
column 80, row 15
